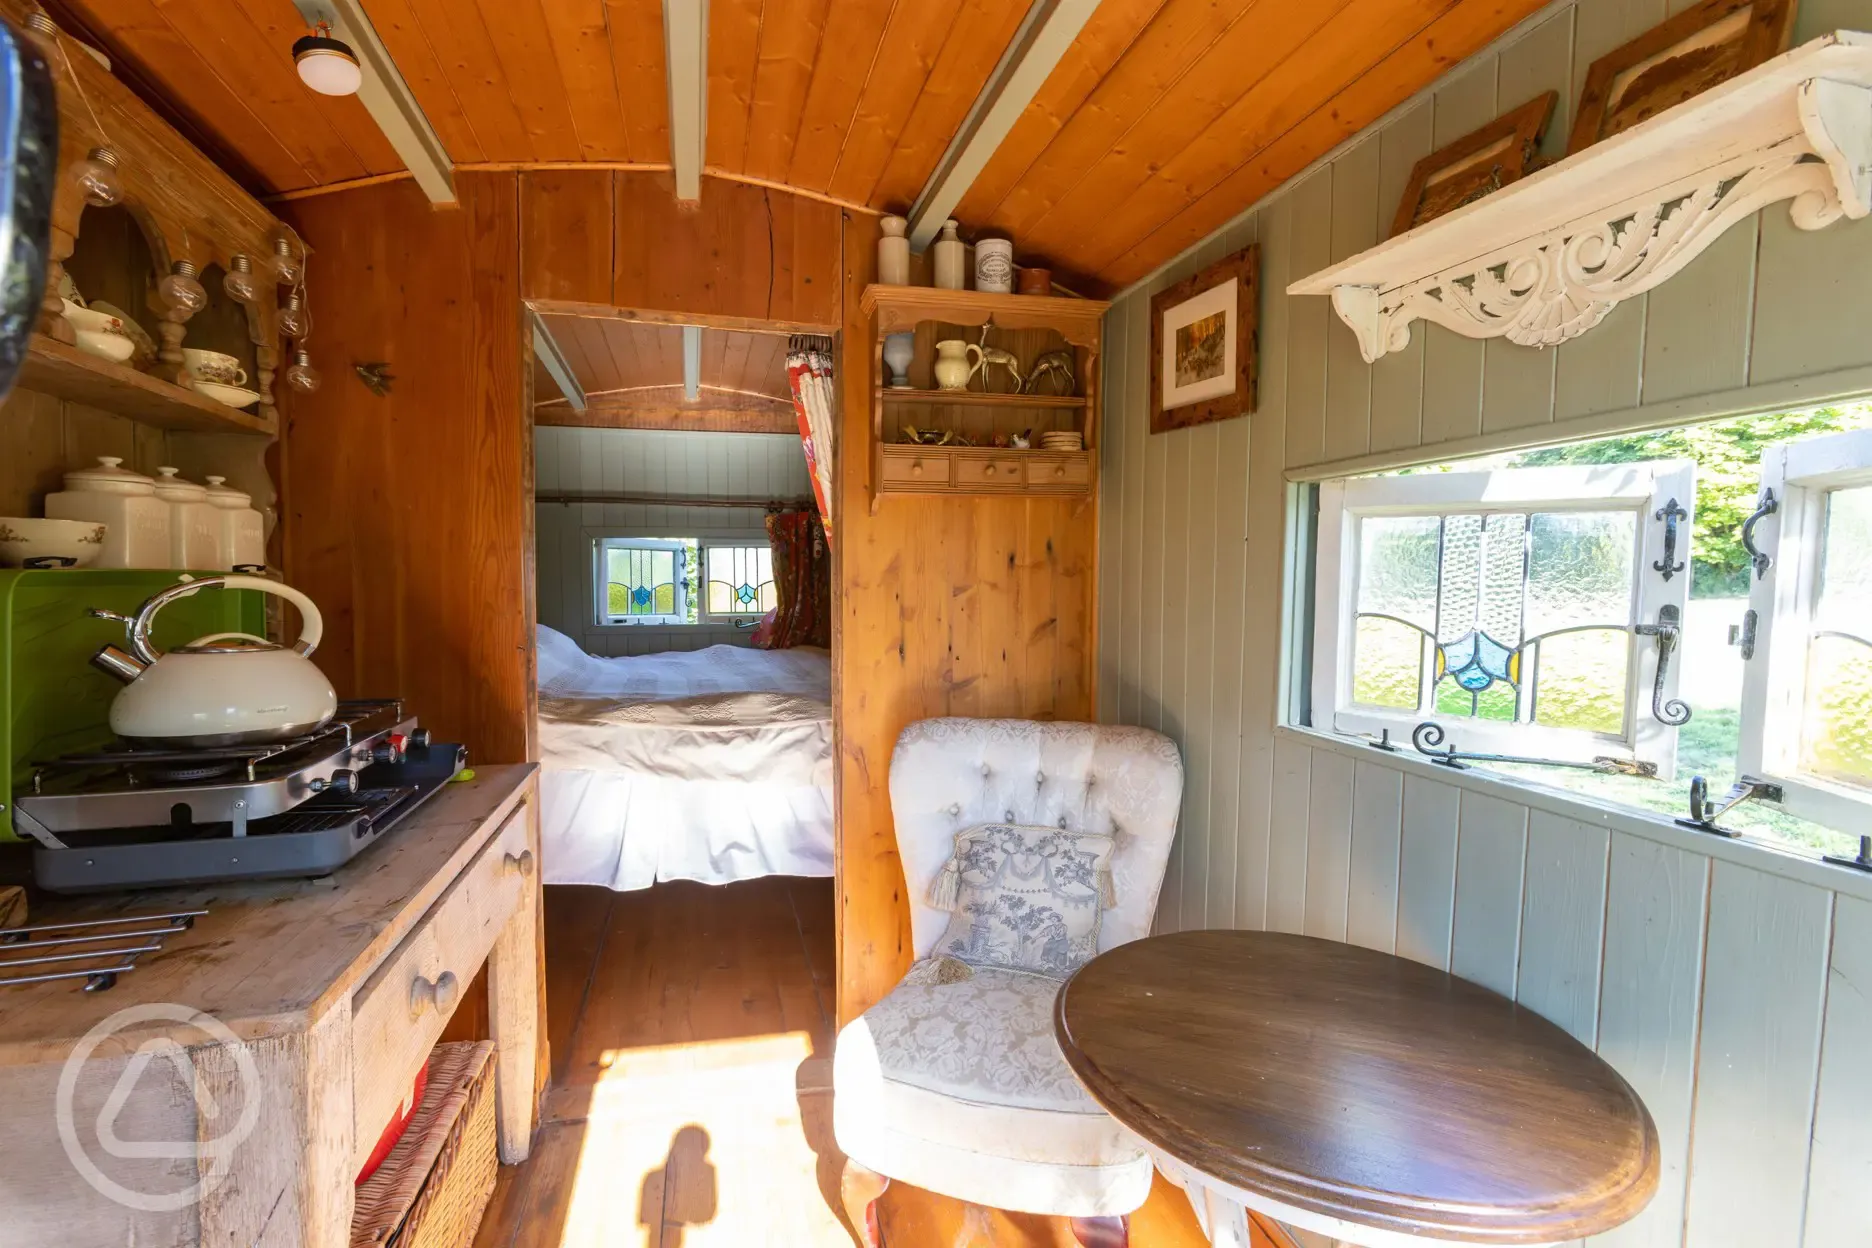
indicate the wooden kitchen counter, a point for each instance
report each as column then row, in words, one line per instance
column 335, row 987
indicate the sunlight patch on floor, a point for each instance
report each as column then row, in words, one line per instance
column 697, row 1145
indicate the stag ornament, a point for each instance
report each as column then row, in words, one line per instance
column 987, row 357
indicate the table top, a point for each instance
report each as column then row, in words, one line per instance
column 270, row 957
column 1360, row 1086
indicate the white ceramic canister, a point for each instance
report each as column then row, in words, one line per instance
column 946, row 261
column 194, row 525
column 136, row 522
column 893, row 253
column 994, row 266
column 243, row 530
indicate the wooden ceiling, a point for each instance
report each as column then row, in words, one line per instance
column 608, row 356
column 1163, row 120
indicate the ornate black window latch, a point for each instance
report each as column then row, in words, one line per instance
column 1765, row 506
column 1703, row 815
column 1670, row 513
column 1672, row 712
column 1428, row 735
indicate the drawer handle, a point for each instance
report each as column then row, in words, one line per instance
column 442, row 994
column 916, row 467
column 989, row 471
column 521, row 863
column 1060, row 471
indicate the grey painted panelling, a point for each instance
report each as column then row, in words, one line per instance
column 1727, row 1016
column 1839, row 1191
column 652, row 462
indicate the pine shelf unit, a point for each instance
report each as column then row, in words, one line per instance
column 56, row 368
column 1027, row 326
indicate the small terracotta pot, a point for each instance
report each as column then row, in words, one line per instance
column 1035, row 282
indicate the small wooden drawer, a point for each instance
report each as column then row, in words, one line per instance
column 399, row 1012
column 1058, row 472
column 910, row 468
column 993, row 472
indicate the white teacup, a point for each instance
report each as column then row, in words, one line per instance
column 214, row 366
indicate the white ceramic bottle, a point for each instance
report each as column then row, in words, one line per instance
column 194, row 525
column 893, row 252
column 243, row 531
column 947, row 258
column 136, row 522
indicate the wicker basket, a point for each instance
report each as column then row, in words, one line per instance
column 431, row 1190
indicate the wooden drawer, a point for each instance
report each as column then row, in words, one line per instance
column 990, row 472
column 398, row 1013
column 914, row 470
column 1059, row 472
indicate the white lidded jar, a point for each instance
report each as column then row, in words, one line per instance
column 194, row 525
column 136, row 522
column 243, row 531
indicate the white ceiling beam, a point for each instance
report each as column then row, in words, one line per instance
column 388, row 99
column 685, row 47
column 546, row 351
column 691, row 362
column 1044, row 35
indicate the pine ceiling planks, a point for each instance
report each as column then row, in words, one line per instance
column 608, row 356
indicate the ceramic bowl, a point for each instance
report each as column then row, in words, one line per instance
column 90, row 319
column 108, row 346
column 233, row 396
column 30, row 542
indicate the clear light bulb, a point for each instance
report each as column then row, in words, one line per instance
column 239, row 280
column 181, row 290
column 295, row 321
column 286, row 266
column 300, row 374
column 97, row 175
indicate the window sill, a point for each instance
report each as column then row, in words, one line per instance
column 1744, row 851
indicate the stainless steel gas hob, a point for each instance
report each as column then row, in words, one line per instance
column 141, row 817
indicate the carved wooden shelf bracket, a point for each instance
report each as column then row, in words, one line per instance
column 1545, row 259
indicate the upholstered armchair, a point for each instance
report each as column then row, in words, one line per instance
column 954, row 1082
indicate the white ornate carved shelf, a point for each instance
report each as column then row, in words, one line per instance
column 1546, row 258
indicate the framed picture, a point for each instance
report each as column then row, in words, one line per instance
column 1203, row 337
column 1703, row 46
column 1487, row 160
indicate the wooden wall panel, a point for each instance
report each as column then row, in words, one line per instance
column 930, row 625
column 566, row 234
column 405, row 517
column 1736, row 1009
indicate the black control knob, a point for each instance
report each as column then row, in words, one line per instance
column 388, row 750
column 343, row 782
column 419, row 738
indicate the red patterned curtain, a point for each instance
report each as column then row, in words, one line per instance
column 809, row 368
column 802, row 568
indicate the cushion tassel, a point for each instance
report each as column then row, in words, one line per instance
column 1108, row 891
column 945, row 888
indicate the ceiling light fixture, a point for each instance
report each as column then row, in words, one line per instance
column 327, row 65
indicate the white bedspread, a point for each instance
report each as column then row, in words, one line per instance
column 710, row 765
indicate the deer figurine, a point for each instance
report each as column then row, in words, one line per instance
column 987, row 357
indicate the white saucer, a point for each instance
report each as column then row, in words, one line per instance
column 233, row 396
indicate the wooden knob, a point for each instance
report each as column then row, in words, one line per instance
column 916, row 467
column 989, row 470
column 521, row 863
column 1060, row 470
column 442, row 994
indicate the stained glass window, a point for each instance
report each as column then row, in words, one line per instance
column 647, row 580
column 1515, row 617
column 740, row 580
column 1836, row 722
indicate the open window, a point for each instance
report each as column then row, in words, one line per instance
column 1807, row 687
column 1528, row 612
column 644, row 580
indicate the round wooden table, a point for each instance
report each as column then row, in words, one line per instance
column 1363, row 1096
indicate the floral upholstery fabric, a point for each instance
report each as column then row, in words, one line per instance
column 988, row 1038
column 1026, row 899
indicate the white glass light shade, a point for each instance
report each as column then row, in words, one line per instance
column 327, row 65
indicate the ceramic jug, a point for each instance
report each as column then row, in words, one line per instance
column 952, row 364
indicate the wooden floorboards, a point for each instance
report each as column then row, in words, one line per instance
column 691, row 1095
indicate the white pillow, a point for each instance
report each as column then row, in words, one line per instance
column 561, row 660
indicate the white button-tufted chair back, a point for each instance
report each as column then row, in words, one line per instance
column 951, row 774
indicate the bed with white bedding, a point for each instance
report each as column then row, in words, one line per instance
column 711, row 765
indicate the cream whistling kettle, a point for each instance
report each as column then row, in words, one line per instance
column 220, row 690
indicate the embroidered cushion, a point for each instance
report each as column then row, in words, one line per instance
column 1024, row 898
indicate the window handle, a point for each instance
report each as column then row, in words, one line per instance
column 1766, row 506
column 1670, row 513
column 1671, row 712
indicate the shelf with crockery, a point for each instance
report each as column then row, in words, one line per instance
column 984, row 394
column 56, row 368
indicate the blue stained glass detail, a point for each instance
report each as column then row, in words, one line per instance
column 1475, row 660
column 641, row 596
column 745, row 594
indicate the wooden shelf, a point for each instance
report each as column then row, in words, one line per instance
column 902, row 307
column 981, row 398
column 1546, row 258
column 52, row 367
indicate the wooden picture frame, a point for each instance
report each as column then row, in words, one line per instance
column 1213, row 321
column 1503, row 151
column 1677, row 59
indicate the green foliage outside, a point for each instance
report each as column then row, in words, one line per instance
column 1728, row 460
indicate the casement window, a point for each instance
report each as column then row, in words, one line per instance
column 720, row 579
column 1525, row 612
column 1807, row 684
